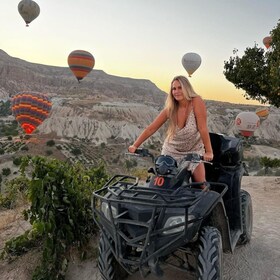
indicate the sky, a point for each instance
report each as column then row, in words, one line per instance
column 143, row 39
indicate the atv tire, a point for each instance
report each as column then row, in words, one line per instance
column 108, row 266
column 210, row 255
column 247, row 217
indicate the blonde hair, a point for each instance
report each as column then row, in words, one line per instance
column 171, row 104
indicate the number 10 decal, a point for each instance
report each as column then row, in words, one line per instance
column 159, row 181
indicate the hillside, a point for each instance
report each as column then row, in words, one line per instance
column 103, row 114
column 104, row 107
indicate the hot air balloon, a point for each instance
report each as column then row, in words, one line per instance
column 30, row 109
column 267, row 41
column 191, row 62
column 29, row 10
column 247, row 123
column 80, row 63
column 262, row 112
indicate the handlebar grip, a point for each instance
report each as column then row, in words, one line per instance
column 138, row 151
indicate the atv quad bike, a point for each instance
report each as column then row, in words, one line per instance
column 170, row 220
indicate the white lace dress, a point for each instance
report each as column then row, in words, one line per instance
column 185, row 140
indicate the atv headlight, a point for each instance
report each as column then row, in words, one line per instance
column 106, row 210
column 176, row 220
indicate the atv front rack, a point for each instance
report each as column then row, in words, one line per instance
column 131, row 218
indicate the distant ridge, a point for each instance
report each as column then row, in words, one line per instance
column 104, row 107
column 17, row 75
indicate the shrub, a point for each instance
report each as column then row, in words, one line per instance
column 17, row 161
column 50, row 143
column 76, row 151
column 15, row 191
column 6, row 171
column 60, row 211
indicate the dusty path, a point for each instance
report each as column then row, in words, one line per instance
column 259, row 260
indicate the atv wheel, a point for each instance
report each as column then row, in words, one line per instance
column 108, row 266
column 247, row 217
column 210, row 256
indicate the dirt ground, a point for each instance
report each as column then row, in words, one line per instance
column 258, row 260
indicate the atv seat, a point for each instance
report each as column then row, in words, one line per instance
column 227, row 168
column 227, row 152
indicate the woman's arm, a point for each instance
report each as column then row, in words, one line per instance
column 150, row 130
column 201, row 119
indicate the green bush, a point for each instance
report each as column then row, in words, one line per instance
column 60, row 211
column 50, row 143
column 6, row 171
column 15, row 190
column 17, row 161
column 76, row 151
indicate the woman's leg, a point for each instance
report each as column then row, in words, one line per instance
column 199, row 173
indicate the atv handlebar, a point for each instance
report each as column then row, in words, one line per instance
column 192, row 157
column 196, row 158
column 141, row 152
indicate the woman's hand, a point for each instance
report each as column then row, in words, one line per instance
column 132, row 149
column 208, row 156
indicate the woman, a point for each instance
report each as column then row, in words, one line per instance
column 187, row 131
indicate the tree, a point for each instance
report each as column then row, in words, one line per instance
column 257, row 72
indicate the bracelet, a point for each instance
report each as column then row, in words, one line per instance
column 134, row 146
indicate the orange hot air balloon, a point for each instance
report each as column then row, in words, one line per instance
column 267, row 41
column 262, row 112
column 247, row 123
column 80, row 63
column 30, row 109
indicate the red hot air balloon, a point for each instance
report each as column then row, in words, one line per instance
column 30, row 109
column 247, row 123
column 80, row 63
column 267, row 41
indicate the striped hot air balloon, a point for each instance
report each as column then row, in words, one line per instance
column 31, row 109
column 80, row 63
